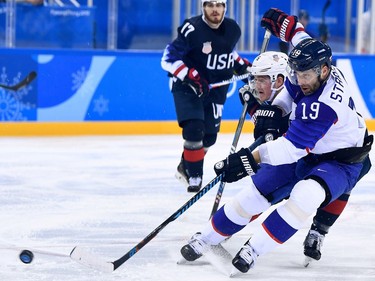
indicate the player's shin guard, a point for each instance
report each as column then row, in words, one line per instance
column 193, row 159
column 235, row 215
column 193, row 162
column 283, row 223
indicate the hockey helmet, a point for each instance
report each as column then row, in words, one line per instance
column 217, row 1
column 214, row 1
column 308, row 54
column 271, row 64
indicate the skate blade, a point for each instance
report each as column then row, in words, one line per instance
column 307, row 261
column 234, row 272
column 182, row 261
column 200, row 261
column 181, row 179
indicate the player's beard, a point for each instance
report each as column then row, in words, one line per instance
column 214, row 19
column 309, row 89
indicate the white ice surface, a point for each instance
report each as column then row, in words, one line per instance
column 107, row 193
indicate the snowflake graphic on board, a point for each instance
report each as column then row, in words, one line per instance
column 81, row 77
column 78, row 78
column 101, row 105
column 11, row 102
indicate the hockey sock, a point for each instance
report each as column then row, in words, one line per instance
column 193, row 161
column 326, row 217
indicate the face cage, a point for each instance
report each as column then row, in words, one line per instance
column 292, row 75
column 251, row 82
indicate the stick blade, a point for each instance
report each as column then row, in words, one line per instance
column 32, row 75
column 88, row 259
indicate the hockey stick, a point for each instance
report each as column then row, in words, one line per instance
column 266, row 39
column 323, row 29
column 220, row 190
column 91, row 260
column 29, row 78
column 231, row 80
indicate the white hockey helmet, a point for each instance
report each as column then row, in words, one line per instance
column 215, row 1
column 271, row 64
column 218, row 1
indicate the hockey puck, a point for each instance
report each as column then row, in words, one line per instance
column 26, row 256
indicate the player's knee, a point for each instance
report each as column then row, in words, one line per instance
column 193, row 130
column 305, row 198
column 209, row 140
column 247, row 203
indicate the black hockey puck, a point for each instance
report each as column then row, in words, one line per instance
column 26, row 256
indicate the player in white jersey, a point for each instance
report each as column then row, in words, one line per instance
column 326, row 137
column 269, row 72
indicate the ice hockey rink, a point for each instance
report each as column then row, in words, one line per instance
column 107, row 193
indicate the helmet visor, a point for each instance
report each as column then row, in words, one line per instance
column 303, row 77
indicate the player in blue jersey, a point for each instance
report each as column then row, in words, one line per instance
column 326, row 137
column 203, row 53
column 268, row 73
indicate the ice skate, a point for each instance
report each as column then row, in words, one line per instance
column 312, row 245
column 244, row 260
column 181, row 174
column 195, row 184
column 195, row 247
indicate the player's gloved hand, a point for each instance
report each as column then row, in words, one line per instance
column 268, row 122
column 246, row 95
column 237, row 166
column 243, row 67
column 281, row 24
column 196, row 82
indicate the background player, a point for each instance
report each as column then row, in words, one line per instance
column 203, row 53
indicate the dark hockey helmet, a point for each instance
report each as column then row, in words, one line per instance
column 310, row 53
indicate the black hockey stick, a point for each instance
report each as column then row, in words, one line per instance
column 29, row 78
column 220, row 191
column 323, row 28
column 89, row 259
column 266, row 39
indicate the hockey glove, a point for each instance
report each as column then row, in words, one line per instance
column 196, row 82
column 268, row 122
column 243, row 67
column 281, row 24
column 237, row 166
column 246, row 95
